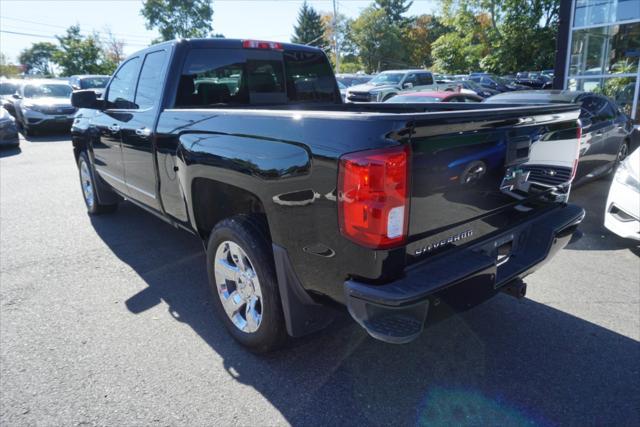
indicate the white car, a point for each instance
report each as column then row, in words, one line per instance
column 622, row 211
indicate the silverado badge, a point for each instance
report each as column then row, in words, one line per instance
column 440, row 243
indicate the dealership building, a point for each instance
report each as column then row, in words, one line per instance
column 599, row 50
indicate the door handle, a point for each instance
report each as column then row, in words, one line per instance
column 114, row 128
column 143, row 132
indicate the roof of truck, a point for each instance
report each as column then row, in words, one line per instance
column 220, row 43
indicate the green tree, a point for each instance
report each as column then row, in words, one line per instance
column 511, row 35
column 310, row 29
column 378, row 41
column 394, row 10
column 38, row 58
column 78, row 54
column 178, row 18
column 455, row 53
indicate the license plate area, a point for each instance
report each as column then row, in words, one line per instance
column 503, row 250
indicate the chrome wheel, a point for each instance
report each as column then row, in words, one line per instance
column 87, row 185
column 238, row 286
column 623, row 152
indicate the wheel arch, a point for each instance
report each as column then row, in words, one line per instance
column 213, row 201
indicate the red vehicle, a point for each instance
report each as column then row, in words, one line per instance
column 446, row 96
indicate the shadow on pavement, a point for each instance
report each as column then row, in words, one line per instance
column 504, row 363
column 59, row 136
column 592, row 196
column 9, row 151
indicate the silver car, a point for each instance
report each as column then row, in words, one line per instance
column 42, row 105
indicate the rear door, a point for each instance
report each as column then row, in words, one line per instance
column 107, row 149
column 138, row 132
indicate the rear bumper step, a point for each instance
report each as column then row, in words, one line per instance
column 396, row 312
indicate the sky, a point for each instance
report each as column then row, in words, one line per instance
column 41, row 20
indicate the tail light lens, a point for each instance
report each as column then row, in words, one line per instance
column 373, row 203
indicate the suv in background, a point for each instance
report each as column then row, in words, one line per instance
column 389, row 83
column 89, row 81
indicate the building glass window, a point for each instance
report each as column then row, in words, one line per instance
column 604, row 51
column 596, row 12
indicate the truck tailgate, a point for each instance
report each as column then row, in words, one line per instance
column 481, row 172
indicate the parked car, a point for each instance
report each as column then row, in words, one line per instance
column 8, row 131
column 606, row 130
column 43, row 105
column 420, row 97
column 89, row 81
column 7, row 89
column 353, row 79
column 389, row 83
column 496, row 83
column 534, row 80
column 476, row 88
column 622, row 211
column 303, row 202
column 343, row 91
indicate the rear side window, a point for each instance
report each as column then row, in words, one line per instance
column 425, row 79
column 150, row 81
column 123, row 85
column 221, row 77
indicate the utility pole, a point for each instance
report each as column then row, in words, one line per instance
column 336, row 48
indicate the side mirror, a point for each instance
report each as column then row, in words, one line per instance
column 16, row 96
column 85, row 99
column 407, row 85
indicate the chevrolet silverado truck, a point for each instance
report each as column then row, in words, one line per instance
column 305, row 204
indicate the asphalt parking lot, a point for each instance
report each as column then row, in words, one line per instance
column 106, row 321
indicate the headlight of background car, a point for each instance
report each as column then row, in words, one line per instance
column 32, row 107
column 624, row 175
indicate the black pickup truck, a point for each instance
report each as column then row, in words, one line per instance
column 305, row 204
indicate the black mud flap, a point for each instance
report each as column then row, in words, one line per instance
column 302, row 315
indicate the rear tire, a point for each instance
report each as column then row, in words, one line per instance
column 89, row 188
column 243, row 284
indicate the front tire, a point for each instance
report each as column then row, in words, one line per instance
column 243, row 284
column 89, row 188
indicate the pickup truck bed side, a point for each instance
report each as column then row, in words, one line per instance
column 196, row 166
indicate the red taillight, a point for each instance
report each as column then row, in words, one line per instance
column 259, row 44
column 577, row 159
column 373, row 190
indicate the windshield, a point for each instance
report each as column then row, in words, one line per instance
column 8, row 88
column 501, row 80
column 386, row 79
column 470, row 84
column 413, row 99
column 94, row 82
column 47, row 90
